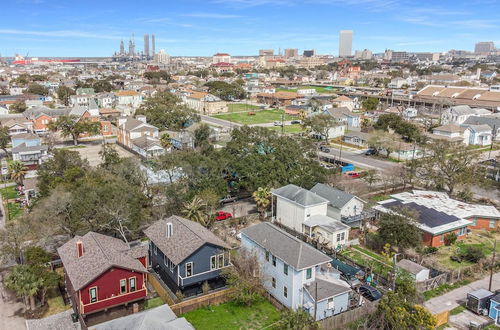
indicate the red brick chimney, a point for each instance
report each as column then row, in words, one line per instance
column 79, row 249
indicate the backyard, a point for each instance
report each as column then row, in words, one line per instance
column 257, row 117
column 12, row 208
column 368, row 258
column 231, row 316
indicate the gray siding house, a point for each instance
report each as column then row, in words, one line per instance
column 185, row 254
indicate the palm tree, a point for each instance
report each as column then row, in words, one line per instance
column 25, row 283
column 165, row 141
column 193, row 210
column 17, row 171
column 262, row 197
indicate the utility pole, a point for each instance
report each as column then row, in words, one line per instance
column 493, row 137
column 315, row 299
column 492, row 263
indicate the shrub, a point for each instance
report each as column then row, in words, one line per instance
column 205, row 287
column 471, row 254
column 179, row 295
column 450, row 239
column 430, row 250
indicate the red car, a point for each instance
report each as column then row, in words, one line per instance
column 353, row 175
column 221, row 215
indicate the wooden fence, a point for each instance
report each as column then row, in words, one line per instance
column 340, row 320
column 432, row 282
column 160, row 289
column 214, row 298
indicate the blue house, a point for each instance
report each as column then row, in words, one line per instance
column 28, row 149
column 295, row 273
column 185, row 255
column 495, row 309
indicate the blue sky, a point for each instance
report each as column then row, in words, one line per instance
column 242, row 27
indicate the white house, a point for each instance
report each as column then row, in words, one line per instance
column 131, row 98
column 479, row 135
column 459, row 113
column 344, row 101
column 452, row 133
column 341, row 204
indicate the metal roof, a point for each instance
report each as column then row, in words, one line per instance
column 299, row 195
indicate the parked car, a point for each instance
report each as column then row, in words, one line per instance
column 221, row 215
column 369, row 292
column 228, row 199
column 277, row 123
column 370, row 152
column 353, row 175
column 293, row 122
column 324, row 149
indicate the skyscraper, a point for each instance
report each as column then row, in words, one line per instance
column 345, row 43
column 146, row 45
column 122, row 48
column 291, row 53
column 131, row 47
column 484, row 47
column 153, row 45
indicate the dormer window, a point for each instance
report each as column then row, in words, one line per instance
column 169, row 229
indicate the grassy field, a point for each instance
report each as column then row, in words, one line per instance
column 260, row 117
column 238, row 107
column 293, row 129
column 377, row 263
column 55, row 303
column 321, row 90
column 9, row 192
column 231, row 316
column 152, row 303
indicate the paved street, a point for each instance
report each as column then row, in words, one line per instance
column 219, row 122
column 359, row 159
column 450, row 300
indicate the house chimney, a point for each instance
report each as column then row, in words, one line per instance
column 79, row 249
column 141, row 118
column 169, row 230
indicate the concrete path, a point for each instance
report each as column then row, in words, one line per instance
column 452, row 299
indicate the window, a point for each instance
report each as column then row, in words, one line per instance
column 165, row 260
column 155, row 249
column 463, row 231
column 132, row 284
column 274, row 261
column 171, row 266
column 285, row 269
column 441, row 238
column 342, row 236
column 123, row 286
column 273, row 282
column 330, row 303
column 285, row 292
column 213, row 262
column 105, row 128
column 189, row 269
column 93, row 294
column 474, row 222
column 221, row 261
column 309, row 272
column 338, row 237
column 267, row 255
column 492, row 223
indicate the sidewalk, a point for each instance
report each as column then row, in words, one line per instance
column 451, row 299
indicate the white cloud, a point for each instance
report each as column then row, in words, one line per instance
column 61, row 34
column 211, row 15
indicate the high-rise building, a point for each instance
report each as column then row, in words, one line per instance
column 266, row 52
column 484, row 47
column 153, row 45
column 363, row 54
column 162, row 57
column 146, row 45
column 345, row 43
column 291, row 53
column 309, row 53
column 131, row 47
column 122, row 48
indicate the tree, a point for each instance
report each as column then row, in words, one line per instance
column 226, row 91
column 109, row 155
column 381, row 140
column 4, row 139
column 165, row 111
column 193, row 210
column 73, row 126
column 64, row 93
column 262, row 198
column 297, row 320
column 25, row 283
column 447, row 166
column 201, row 135
column 245, row 278
column 371, row 176
column 155, row 77
column 321, row 124
column 38, row 259
column 166, row 141
column 410, row 132
column 18, row 107
column 399, row 229
column 370, row 104
column 17, row 172
column 37, row 89
column 211, row 201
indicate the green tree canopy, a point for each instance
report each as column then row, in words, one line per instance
column 37, row 89
column 64, row 93
column 18, row 107
column 399, row 229
column 226, row 91
column 410, row 132
column 73, row 126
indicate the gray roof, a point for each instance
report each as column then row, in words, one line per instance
column 23, row 148
column 325, row 222
column 101, row 252
column 188, row 236
column 480, row 128
column 491, row 121
column 481, row 293
column 158, row 318
column 299, row 195
column 78, row 111
column 462, row 110
column 410, row 266
column 290, row 249
column 132, row 124
column 336, row 197
column 38, row 111
column 60, row 321
column 326, row 289
column 26, row 136
column 146, row 142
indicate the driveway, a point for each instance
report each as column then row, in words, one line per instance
column 10, row 308
column 452, row 299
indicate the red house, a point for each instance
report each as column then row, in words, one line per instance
column 102, row 272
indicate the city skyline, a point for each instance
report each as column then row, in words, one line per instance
column 242, row 27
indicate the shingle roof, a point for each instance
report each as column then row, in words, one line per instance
column 326, row 289
column 299, row 195
column 336, row 197
column 101, row 252
column 290, row 249
column 188, row 236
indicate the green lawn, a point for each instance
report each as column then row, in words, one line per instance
column 377, row 266
column 9, row 192
column 238, row 107
column 457, row 310
column 55, row 303
column 14, row 209
column 231, row 316
column 293, row 129
column 152, row 303
column 260, row 117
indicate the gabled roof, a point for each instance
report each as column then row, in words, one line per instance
column 101, row 253
column 450, row 128
column 336, row 197
column 290, row 249
column 187, row 237
column 484, row 120
column 299, row 195
column 410, row 266
column 26, row 136
column 146, row 142
column 23, row 148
